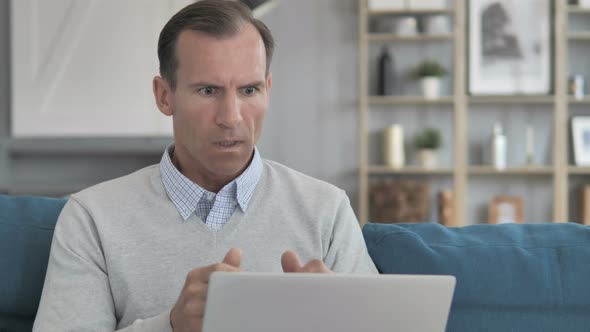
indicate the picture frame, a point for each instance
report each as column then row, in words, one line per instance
column 446, row 208
column 585, row 204
column 581, row 140
column 505, row 209
column 509, row 47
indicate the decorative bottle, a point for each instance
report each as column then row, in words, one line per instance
column 498, row 148
column 385, row 84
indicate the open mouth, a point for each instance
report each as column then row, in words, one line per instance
column 228, row 144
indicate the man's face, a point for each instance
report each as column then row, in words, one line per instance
column 219, row 103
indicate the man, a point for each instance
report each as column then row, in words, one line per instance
column 124, row 250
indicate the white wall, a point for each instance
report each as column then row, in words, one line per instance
column 310, row 126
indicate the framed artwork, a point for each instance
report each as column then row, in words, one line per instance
column 67, row 84
column 505, row 209
column 581, row 140
column 509, row 47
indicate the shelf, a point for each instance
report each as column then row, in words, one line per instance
column 383, row 37
column 579, row 170
column 578, row 10
column 526, row 170
column 582, row 35
column 511, row 99
column 445, row 11
column 585, row 100
column 409, row 170
column 43, row 189
column 548, row 177
column 409, row 100
column 127, row 146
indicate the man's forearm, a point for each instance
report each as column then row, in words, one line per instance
column 159, row 323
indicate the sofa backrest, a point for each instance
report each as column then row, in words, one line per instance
column 510, row 277
column 26, row 230
column 513, row 277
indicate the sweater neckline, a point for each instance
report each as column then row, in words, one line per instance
column 236, row 220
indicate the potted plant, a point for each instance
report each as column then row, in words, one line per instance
column 427, row 143
column 429, row 73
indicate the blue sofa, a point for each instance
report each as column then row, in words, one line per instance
column 522, row 277
column 510, row 277
column 26, row 230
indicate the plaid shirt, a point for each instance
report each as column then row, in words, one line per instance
column 214, row 209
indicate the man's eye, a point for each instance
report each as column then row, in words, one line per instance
column 249, row 90
column 207, row 91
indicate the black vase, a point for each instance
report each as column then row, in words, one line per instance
column 385, row 83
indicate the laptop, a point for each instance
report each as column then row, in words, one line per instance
column 293, row 302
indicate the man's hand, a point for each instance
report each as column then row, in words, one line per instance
column 187, row 314
column 292, row 263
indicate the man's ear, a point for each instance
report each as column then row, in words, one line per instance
column 268, row 81
column 163, row 95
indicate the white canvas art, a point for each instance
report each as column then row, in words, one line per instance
column 509, row 47
column 85, row 67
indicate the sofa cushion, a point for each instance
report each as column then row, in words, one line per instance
column 26, row 231
column 521, row 277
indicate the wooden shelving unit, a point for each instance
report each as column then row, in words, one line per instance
column 410, row 100
column 578, row 170
column 527, row 170
column 409, row 170
column 578, row 10
column 456, row 102
column 583, row 35
column 390, row 37
column 495, row 100
column 583, row 101
column 460, row 103
column 409, row 12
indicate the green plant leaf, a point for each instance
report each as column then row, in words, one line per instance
column 429, row 138
column 429, row 68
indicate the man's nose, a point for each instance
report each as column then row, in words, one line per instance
column 229, row 114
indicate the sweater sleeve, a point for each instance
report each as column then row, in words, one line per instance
column 347, row 252
column 76, row 294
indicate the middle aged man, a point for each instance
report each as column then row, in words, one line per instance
column 124, row 250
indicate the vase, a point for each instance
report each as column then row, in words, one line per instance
column 428, row 158
column 394, row 146
column 430, row 87
column 436, row 25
